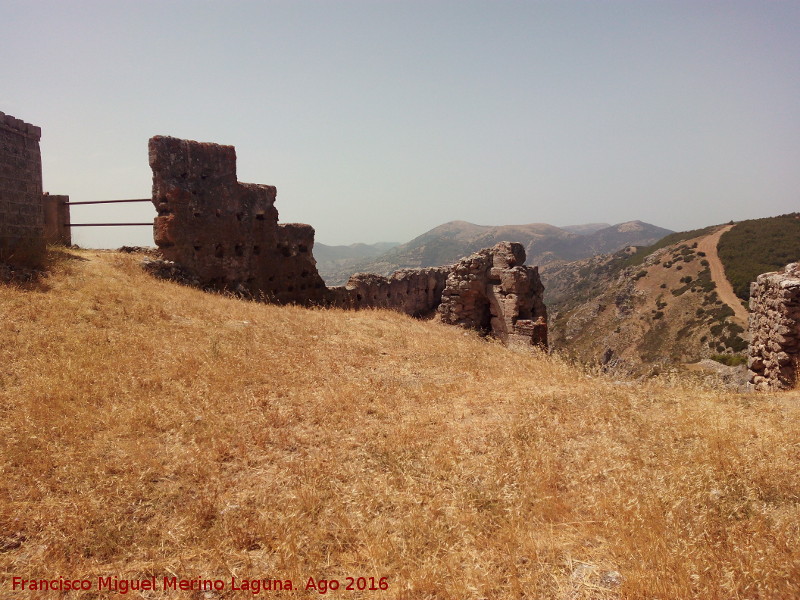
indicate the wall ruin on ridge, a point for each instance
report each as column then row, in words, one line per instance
column 225, row 234
column 415, row 292
column 29, row 219
column 494, row 292
column 774, row 351
column 21, row 217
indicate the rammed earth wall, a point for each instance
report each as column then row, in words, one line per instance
column 225, row 234
column 21, row 217
column 774, row 351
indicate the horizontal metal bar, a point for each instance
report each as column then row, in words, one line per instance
column 106, row 224
column 108, row 201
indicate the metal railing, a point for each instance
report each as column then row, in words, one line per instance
column 150, row 224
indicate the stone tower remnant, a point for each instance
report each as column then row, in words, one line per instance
column 494, row 292
column 774, row 351
column 28, row 219
column 225, row 234
column 21, row 216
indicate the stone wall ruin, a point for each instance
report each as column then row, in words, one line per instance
column 29, row 220
column 774, row 351
column 21, row 217
column 225, row 234
column 56, row 219
column 415, row 292
column 494, row 292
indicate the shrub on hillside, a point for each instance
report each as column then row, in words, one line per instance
column 731, row 360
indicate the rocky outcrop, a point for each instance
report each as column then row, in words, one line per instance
column 774, row 352
column 494, row 292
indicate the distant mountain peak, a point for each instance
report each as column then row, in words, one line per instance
column 631, row 226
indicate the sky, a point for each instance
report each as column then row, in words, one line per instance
column 378, row 120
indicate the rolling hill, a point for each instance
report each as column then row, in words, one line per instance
column 641, row 310
column 678, row 301
column 543, row 243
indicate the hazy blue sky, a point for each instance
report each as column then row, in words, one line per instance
column 378, row 120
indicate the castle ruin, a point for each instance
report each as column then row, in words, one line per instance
column 225, row 235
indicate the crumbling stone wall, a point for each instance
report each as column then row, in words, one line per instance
column 224, row 232
column 21, row 218
column 490, row 291
column 415, row 292
column 774, row 351
column 494, row 292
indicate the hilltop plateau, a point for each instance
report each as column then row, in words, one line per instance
column 154, row 430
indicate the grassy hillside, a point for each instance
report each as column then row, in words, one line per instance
column 152, row 430
column 759, row 246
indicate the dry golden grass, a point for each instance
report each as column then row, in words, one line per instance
column 150, row 429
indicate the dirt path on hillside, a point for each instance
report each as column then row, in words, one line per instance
column 724, row 287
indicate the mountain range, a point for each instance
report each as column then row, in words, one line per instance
column 452, row 241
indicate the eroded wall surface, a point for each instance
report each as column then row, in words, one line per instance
column 21, row 217
column 774, row 351
column 226, row 232
column 415, row 292
column 494, row 292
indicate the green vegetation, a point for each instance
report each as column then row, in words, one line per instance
column 758, row 246
column 731, row 360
